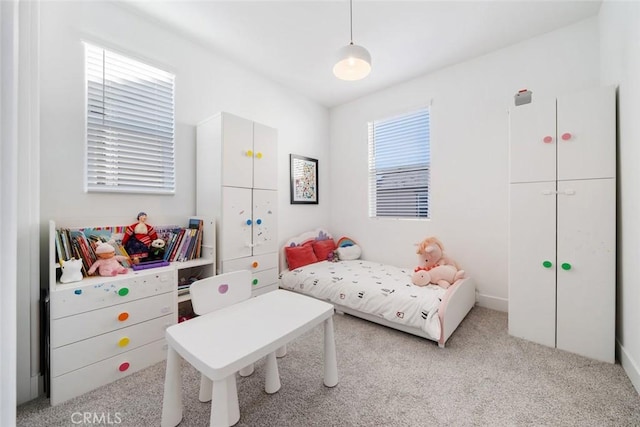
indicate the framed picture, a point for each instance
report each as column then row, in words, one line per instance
column 304, row 180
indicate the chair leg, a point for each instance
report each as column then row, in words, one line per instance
column 206, row 388
column 282, row 351
column 330, row 361
column 272, row 376
column 246, row 371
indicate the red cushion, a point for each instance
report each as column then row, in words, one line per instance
column 299, row 256
column 324, row 248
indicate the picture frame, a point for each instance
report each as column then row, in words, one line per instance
column 304, row 179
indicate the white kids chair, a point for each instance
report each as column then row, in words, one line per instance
column 223, row 290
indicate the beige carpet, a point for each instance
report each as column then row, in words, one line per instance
column 483, row 377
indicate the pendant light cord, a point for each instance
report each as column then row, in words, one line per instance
column 351, row 18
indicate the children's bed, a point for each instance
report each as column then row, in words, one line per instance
column 378, row 292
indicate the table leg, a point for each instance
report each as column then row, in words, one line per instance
column 282, row 351
column 330, row 361
column 246, row 371
column 172, row 399
column 225, row 410
column 272, row 376
column 206, row 388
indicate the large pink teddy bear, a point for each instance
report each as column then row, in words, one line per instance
column 434, row 266
column 108, row 263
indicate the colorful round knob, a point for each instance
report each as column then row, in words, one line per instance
column 249, row 153
column 547, row 264
column 254, row 282
column 124, row 341
column 259, row 155
column 547, row 139
column 123, row 291
column 258, row 221
column 254, row 264
column 248, row 222
column 566, row 136
column 566, row 266
column 123, row 316
column 123, row 367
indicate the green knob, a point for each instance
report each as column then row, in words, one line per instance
column 566, row 266
column 547, row 264
column 123, row 291
column 254, row 281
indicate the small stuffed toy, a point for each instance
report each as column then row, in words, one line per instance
column 138, row 237
column 71, row 270
column 157, row 250
column 108, row 263
column 434, row 266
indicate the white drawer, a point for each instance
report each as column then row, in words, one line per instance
column 80, row 381
column 251, row 263
column 85, row 325
column 264, row 278
column 77, row 355
column 97, row 292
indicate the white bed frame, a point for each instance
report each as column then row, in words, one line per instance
column 457, row 302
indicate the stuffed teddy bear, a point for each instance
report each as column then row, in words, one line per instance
column 434, row 266
column 108, row 263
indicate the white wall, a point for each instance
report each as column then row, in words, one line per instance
column 469, row 152
column 620, row 32
column 205, row 84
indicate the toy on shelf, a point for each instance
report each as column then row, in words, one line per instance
column 434, row 266
column 138, row 237
column 71, row 270
column 157, row 250
column 108, row 263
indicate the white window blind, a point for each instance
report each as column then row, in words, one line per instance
column 130, row 125
column 399, row 166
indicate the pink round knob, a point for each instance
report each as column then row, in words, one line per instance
column 566, row 136
column 547, row 139
column 123, row 367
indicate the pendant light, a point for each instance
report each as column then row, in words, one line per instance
column 354, row 62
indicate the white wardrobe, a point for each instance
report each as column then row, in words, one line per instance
column 562, row 222
column 237, row 185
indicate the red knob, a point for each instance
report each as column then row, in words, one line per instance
column 547, row 139
column 566, row 136
column 123, row 367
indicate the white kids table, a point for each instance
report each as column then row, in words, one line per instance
column 220, row 343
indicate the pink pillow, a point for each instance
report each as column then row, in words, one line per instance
column 324, row 248
column 299, row 256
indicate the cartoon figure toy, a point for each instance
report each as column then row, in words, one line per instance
column 108, row 263
column 138, row 237
column 71, row 270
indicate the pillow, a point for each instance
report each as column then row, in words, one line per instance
column 299, row 256
column 324, row 248
column 351, row 252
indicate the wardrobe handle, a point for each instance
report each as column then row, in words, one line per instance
column 547, row 264
column 249, row 153
column 566, row 136
column 258, row 155
column 248, row 222
column 547, row 139
column 565, row 266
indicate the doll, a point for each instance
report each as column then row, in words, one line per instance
column 138, row 237
column 108, row 263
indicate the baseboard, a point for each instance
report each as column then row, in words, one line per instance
column 629, row 366
column 494, row 303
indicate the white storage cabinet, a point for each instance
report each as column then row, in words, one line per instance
column 237, row 186
column 562, row 223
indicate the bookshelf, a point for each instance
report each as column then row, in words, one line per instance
column 104, row 328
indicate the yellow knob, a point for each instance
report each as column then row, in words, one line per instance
column 123, row 342
column 259, row 155
column 249, row 153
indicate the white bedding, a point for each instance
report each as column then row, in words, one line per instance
column 377, row 289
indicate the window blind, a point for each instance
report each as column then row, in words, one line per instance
column 399, row 166
column 130, row 125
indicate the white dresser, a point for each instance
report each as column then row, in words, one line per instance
column 562, row 222
column 237, row 186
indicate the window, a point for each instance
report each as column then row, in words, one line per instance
column 130, row 125
column 399, row 166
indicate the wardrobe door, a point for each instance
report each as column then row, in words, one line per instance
column 236, row 224
column 532, row 262
column 586, row 134
column 237, row 151
column 265, row 157
column 586, row 268
column 532, row 142
column 265, row 221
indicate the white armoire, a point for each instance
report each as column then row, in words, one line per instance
column 237, row 185
column 562, row 222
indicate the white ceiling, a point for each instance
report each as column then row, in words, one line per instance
column 295, row 42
